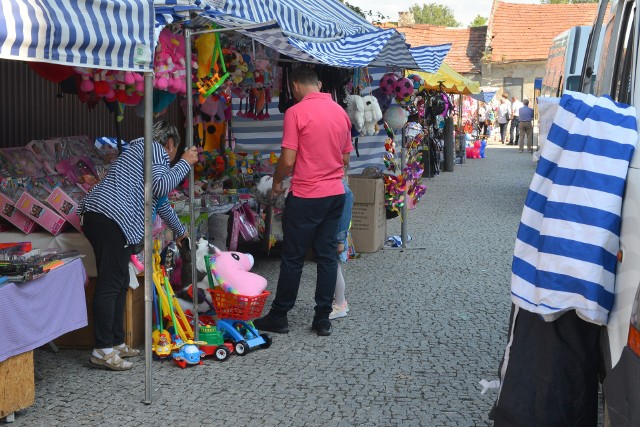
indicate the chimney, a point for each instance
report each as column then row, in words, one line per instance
column 406, row 19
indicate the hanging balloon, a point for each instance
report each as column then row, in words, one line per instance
column 387, row 83
column 395, row 117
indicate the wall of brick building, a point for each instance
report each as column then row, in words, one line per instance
column 494, row 74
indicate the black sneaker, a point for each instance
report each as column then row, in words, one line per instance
column 278, row 325
column 322, row 327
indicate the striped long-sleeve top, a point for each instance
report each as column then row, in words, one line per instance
column 120, row 195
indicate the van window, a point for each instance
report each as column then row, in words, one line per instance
column 621, row 85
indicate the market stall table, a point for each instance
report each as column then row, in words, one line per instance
column 36, row 312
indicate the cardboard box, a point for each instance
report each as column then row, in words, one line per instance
column 14, row 216
column 133, row 320
column 17, row 388
column 44, row 216
column 368, row 217
column 66, row 203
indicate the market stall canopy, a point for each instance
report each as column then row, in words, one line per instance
column 452, row 82
column 317, row 31
column 487, row 93
column 102, row 34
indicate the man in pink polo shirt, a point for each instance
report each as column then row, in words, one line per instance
column 316, row 143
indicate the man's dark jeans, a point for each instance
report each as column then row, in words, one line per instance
column 514, row 129
column 309, row 223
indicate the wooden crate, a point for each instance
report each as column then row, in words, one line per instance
column 17, row 387
column 133, row 320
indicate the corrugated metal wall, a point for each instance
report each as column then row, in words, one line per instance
column 30, row 109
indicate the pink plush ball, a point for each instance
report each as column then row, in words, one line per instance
column 387, row 83
column 403, row 88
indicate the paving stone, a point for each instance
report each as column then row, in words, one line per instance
column 424, row 326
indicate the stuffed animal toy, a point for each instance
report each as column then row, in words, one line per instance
column 231, row 271
column 372, row 114
column 202, row 248
column 263, row 192
column 355, row 110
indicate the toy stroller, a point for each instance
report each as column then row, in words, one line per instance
column 234, row 313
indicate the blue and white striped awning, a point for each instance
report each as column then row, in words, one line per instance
column 108, row 34
column 318, row 31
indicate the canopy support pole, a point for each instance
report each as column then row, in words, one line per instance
column 192, row 219
column 148, row 233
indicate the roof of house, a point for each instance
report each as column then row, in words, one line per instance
column 467, row 44
column 521, row 32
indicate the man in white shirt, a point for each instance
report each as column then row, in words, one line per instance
column 515, row 121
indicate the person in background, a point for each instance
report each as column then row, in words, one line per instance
column 526, row 126
column 340, row 307
column 112, row 218
column 515, row 120
column 504, row 111
column 482, row 120
column 316, row 144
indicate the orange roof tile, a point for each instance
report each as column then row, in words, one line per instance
column 467, row 44
column 521, row 32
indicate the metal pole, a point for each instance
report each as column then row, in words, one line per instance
column 148, row 233
column 403, row 210
column 189, row 144
column 449, row 144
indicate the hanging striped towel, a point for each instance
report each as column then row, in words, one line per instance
column 565, row 252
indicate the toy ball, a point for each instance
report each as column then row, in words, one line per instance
column 418, row 82
column 403, row 88
column 407, row 101
column 395, row 117
column 387, row 83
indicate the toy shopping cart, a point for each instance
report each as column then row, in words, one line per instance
column 234, row 314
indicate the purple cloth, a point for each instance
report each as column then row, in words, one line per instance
column 36, row 312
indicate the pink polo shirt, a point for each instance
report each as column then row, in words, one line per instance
column 320, row 132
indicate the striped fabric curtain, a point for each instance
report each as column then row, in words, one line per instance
column 265, row 136
column 565, row 251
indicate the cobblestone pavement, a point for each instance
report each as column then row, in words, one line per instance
column 424, row 326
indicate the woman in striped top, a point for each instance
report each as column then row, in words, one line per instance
column 113, row 222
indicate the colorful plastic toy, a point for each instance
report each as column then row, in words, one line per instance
column 234, row 312
column 188, row 353
column 215, row 344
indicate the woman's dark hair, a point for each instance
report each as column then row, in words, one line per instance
column 303, row 75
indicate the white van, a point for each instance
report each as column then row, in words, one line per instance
column 565, row 61
column 617, row 75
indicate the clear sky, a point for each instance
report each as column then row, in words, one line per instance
column 464, row 10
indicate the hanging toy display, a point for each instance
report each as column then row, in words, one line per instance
column 388, row 83
column 404, row 92
column 395, row 117
column 418, row 83
column 408, row 178
column 210, row 82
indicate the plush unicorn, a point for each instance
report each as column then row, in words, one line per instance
column 231, row 271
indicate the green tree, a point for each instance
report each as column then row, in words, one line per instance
column 366, row 14
column 567, row 1
column 478, row 21
column 434, row 14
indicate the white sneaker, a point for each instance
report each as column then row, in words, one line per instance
column 338, row 311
